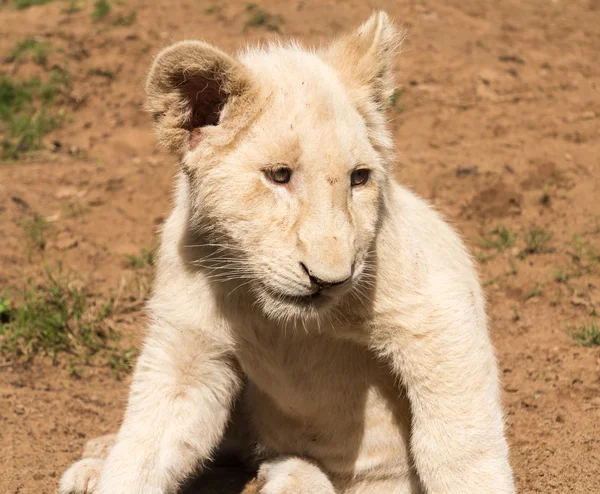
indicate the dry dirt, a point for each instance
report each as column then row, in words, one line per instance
column 497, row 123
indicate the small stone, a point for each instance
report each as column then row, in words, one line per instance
column 577, row 301
column 66, row 192
column 485, row 92
column 66, row 243
column 488, row 75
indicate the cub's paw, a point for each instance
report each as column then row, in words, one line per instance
column 293, row 476
column 82, row 477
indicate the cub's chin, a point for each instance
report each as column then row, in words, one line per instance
column 286, row 308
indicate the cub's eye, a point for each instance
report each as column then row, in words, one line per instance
column 280, row 175
column 359, row 177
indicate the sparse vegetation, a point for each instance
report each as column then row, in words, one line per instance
column 58, row 317
column 560, row 276
column 563, row 275
column 30, row 47
column 536, row 242
column 101, row 9
column 584, row 251
column 557, row 298
column 121, row 360
column 586, row 335
column 35, row 233
column 395, row 98
column 578, row 246
column 140, row 261
column 213, row 9
column 535, row 292
column 74, row 210
column 514, row 269
column 24, row 4
column 126, row 19
column 499, row 238
column 4, row 309
column 491, row 281
column 258, row 17
column 516, row 316
column 72, row 8
column 26, row 112
column 97, row 71
column 483, row 257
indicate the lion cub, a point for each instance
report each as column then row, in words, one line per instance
column 299, row 284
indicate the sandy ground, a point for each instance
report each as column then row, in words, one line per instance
column 497, row 123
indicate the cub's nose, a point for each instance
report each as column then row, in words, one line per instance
column 321, row 282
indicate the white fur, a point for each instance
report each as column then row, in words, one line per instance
column 389, row 384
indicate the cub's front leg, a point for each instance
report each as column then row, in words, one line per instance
column 450, row 376
column 183, row 390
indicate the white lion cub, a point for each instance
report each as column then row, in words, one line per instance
column 298, row 284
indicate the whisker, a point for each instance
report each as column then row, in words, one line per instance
column 240, row 285
column 224, row 246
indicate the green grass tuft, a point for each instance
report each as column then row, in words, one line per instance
column 74, row 210
column 536, row 242
column 140, row 261
column 72, row 8
column 24, row 4
column 516, row 316
column 26, row 115
column 499, row 238
column 35, row 232
column 121, row 361
column 38, row 50
column 535, row 292
column 97, row 71
column 213, row 9
column 586, row 335
column 58, row 317
column 126, row 19
column 13, row 97
column 395, row 98
column 261, row 18
column 101, row 9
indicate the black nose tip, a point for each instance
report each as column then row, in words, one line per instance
column 319, row 282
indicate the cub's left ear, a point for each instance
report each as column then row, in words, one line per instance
column 192, row 85
column 364, row 59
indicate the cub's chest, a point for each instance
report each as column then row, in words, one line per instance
column 294, row 368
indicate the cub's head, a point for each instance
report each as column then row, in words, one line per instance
column 285, row 153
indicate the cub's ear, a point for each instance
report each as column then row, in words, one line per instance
column 187, row 88
column 364, row 59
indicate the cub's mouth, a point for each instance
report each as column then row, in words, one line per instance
column 317, row 300
column 304, row 299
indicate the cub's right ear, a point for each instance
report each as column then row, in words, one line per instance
column 188, row 87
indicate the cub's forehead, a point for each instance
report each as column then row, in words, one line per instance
column 295, row 81
column 300, row 144
column 305, row 111
column 285, row 64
